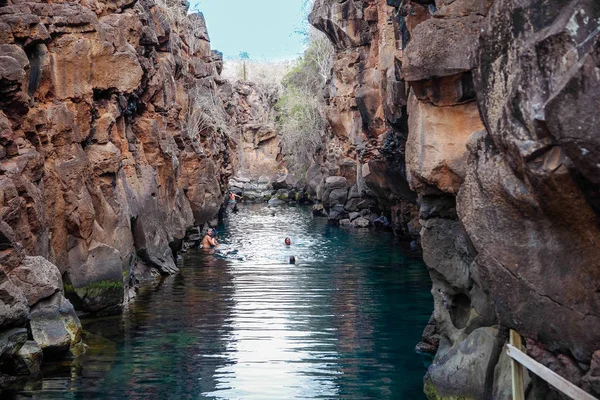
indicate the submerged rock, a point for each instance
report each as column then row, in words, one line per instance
column 275, row 202
column 345, row 222
column 28, row 360
column 318, row 210
column 337, row 213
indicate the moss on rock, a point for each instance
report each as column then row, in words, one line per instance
column 432, row 393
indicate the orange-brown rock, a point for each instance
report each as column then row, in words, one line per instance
column 436, row 150
column 103, row 165
column 365, row 106
column 258, row 145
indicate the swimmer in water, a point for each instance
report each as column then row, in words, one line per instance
column 288, row 242
column 209, row 239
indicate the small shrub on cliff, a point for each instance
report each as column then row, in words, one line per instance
column 205, row 113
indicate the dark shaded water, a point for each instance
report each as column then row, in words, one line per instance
column 244, row 324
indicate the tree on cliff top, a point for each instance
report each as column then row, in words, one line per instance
column 245, row 57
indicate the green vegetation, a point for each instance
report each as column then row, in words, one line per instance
column 67, row 288
column 432, row 394
column 301, row 124
column 96, row 289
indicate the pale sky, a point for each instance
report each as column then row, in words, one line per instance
column 265, row 29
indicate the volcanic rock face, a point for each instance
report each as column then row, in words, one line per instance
column 106, row 161
column 113, row 141
column 252, row 110
column 366, row 110
column 532, row 180
column 498, row 125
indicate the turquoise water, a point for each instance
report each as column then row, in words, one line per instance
column 243, row 323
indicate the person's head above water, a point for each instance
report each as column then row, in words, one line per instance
column 287, row 241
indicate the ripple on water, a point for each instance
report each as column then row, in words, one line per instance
column 242, row 323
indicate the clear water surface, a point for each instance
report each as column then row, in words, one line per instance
column 243, row 323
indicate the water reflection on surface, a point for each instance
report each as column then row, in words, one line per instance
column 242, row 323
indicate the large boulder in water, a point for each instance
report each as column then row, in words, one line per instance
column 465, row 369
column 361, row 222
column 97, row 285
column 55, row 325
column 335, row 191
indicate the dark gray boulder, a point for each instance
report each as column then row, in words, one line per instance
column 55, row 325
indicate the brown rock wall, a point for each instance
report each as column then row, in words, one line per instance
column 365, row 105
column 494, row 104
column 103, row 164
column 257, row 141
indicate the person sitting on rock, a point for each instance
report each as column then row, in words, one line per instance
column 209, row 240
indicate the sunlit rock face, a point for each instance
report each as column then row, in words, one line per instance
column 258, row 145
column 366, row 110
column 104, row 161
column 497, row 109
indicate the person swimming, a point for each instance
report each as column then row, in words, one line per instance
column 209, row 239
column 288, row 242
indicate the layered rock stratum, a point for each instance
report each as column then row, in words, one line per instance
column 492, row 109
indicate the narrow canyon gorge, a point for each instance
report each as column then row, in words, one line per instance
column 468, row 127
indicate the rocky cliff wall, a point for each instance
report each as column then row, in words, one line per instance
column 251, row 108
column 366, row 111
column 500, row 139
column 113, row 141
